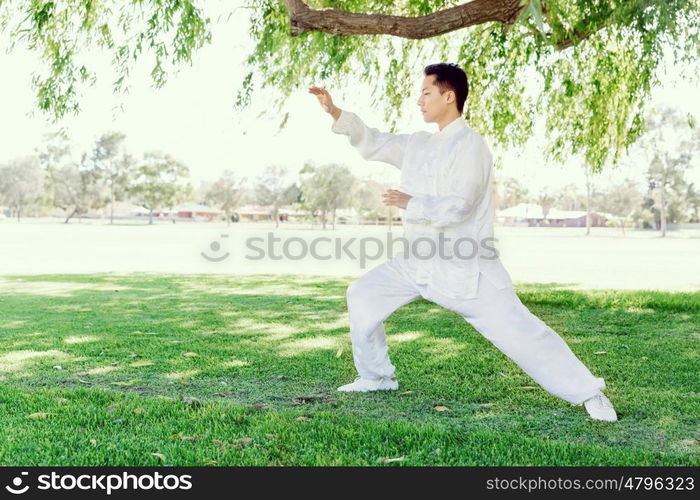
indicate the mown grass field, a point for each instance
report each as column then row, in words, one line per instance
column 148, row 369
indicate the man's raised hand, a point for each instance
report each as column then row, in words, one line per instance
column 325, row 100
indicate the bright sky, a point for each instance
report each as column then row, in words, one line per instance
column 192, row 117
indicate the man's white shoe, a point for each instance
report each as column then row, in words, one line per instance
column 365, row 385
column 599, row 407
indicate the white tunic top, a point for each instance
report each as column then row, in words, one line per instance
column 449, row 219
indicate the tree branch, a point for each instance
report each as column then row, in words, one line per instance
column 303, row 18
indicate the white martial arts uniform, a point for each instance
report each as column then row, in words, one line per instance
column 449, row 176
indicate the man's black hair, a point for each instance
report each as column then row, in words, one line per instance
column 449, row 76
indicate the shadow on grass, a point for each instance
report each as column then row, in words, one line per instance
column 282, row 342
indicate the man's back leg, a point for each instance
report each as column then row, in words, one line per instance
column 500, row 316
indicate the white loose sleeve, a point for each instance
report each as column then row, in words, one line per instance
column 467, row 178
column 370, row 142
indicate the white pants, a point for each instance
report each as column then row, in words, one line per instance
column 496, row 314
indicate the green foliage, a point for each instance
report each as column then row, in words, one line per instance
column 62, row 32
column 592, row 93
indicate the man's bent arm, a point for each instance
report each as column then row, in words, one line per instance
column 370, row 142
column 467, row 178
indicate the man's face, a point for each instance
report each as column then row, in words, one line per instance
column 432, row 103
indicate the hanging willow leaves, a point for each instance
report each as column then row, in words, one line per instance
column 594, row 61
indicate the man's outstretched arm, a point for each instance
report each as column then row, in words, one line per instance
column 370, row 142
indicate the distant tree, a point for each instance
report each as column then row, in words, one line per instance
column 589, row 196
column 327, row 188
column 570, row 198
column 53, row 153
column 226, row 193
column 668, row 144
column 274, row 191
column 114, row 165
column 184, row 193
column 510, row 192
column 55, row 150
column 367, row 200
column 160, row 181
column 645, row 216
column 73, row 186
column 692, row 195
column 546, row 199
column 21, row 184
column 76, row 187
column 621, row 199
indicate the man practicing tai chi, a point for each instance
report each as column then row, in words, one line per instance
column 446, row 182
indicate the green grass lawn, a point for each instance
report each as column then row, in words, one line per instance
column 151, row 369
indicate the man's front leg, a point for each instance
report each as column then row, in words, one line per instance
column 371, row 299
